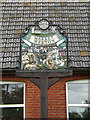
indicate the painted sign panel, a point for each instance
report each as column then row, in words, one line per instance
column 43, row 51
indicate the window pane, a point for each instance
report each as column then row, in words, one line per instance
column 79, row 112
column 11, row 94
column 78, row 93
column 11, row 113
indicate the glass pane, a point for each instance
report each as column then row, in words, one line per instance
column 79, row 112
column 11, row 94
column 11, row 113
column 78, row 93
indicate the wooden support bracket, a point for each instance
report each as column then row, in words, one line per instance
column 35, row 81
column 51, row 82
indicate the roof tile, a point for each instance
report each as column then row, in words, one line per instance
column 72, row 17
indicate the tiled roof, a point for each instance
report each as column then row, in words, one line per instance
column 72, row 17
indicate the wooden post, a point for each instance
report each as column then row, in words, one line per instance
column 44, row 84
column 44, row 96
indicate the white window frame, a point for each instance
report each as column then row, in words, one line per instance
column 15, row 105
column 83, row 81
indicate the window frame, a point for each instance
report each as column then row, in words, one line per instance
column 15, row 105
column 81, row 81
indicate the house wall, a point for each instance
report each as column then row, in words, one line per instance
column 56, row 95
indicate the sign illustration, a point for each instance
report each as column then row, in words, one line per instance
column 43, row 49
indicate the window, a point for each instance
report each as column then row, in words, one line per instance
column 12, row 100
column 78, row 100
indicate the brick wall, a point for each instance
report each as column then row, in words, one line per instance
column 56, row 96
